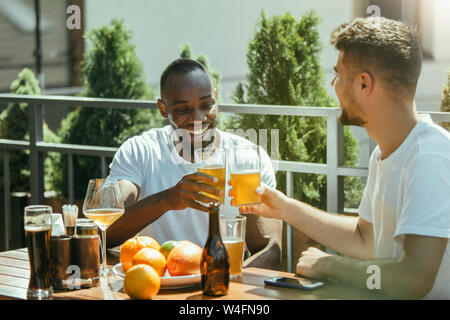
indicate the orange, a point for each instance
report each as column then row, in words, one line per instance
column 141, row 282
column 184, row 259
column 167, row 246
column 132, row 246
column 151, row 257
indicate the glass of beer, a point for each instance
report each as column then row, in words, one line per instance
column 38, row 230
column 213, row 162
column 245, row 166
column 232, row 230
column 104, row 205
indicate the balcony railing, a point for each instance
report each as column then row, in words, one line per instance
column 333, row 168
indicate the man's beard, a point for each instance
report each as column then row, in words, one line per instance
column 348, row 119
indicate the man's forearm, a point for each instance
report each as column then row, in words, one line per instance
column 138, row 215
column 334, row 231
column 393, row 277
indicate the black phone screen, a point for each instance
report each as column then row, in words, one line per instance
column 294, row 283
column 302, row 282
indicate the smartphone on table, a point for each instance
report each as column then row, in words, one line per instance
column 294, row 283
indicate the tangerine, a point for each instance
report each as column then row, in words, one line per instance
column 132, row 246
column 184, row 259
column 141, row 282
column 151, row 257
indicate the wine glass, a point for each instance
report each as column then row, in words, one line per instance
column 104, row 205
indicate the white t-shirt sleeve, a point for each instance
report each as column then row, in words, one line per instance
column 426, row 199
column 365, row 206
column 127, row 163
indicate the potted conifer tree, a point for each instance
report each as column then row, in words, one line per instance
column 110, row 69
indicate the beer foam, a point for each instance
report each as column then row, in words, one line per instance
column 231, row 240
column 249, row 171
column 37, row 228
column 210, row 166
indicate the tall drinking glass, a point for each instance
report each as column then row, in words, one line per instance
column 232, row 230
column 245, row 166
column 213, row 162
column 104, row 205
column 38, row 229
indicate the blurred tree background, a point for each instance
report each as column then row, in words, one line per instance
column 14, row 125
column 110, row 69
column 284, row 69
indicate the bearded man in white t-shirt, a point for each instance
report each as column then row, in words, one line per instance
column 399, row 242
column 160, row 182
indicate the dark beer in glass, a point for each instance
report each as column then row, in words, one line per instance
column 38, row 229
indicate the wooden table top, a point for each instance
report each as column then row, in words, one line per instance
column 15, row 272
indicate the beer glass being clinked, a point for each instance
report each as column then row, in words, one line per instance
column 213, row 162
column 245, row 172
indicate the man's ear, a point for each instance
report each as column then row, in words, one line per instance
column 366, row 83
column 162, row 109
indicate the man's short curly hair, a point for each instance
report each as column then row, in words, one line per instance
column 382, row 47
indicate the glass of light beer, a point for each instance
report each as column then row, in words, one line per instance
column 232, row 230
column 245, row 166
column 213, row 162
column 38, row 230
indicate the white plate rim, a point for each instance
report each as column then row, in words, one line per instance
column 167, row 282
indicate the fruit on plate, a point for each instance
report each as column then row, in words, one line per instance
column 184, row 259
column 167, row 246
column 141, row 282
column 132, row 246
column 151, row 257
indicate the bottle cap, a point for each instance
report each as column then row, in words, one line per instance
column 214, row 207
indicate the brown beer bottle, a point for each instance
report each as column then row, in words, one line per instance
column 215, row 265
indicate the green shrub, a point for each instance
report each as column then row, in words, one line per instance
column 110, row 69
column 284, row 69
column 14, row 125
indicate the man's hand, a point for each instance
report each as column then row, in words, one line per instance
column 186, row 192
column 311, row 263
column 273, row 203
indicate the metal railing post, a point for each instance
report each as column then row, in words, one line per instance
column 289, row 234
column 70, row 182
column 36, row 118
column 335, row 159
column 103, row 165
column 7, row 199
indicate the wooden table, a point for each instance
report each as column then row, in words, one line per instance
column 14, row 275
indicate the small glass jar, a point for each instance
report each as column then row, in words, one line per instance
column 86, row 252
column 60, row 261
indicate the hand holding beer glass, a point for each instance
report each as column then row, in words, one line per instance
column 104, row 205
column 38, row 229
column 213, row 162
column 245, row 172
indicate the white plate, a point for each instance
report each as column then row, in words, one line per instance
column 167, row 281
